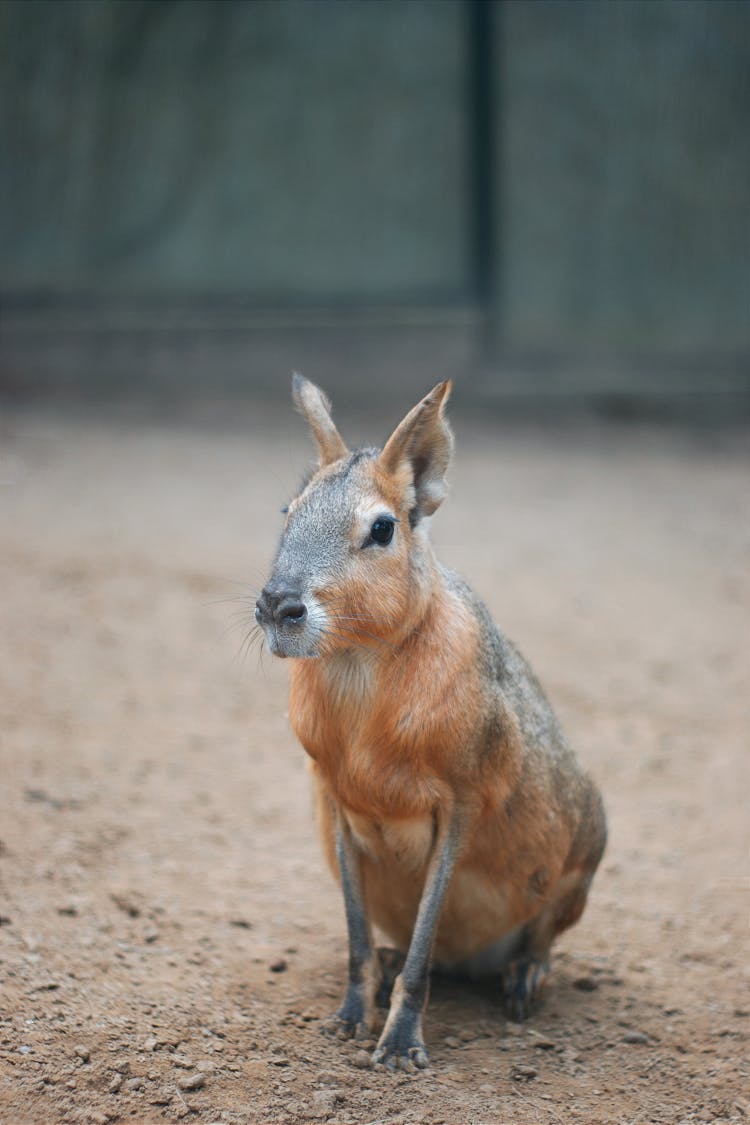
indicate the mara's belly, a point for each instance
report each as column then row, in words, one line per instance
column 480, row 908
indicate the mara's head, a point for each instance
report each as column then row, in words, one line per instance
column 353, row 563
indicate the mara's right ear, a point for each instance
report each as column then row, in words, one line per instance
column 424, row 442
column 314, row 404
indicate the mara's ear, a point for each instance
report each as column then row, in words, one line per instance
column 424, row 442
column 314, row 404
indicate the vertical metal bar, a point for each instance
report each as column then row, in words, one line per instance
column 482, row 127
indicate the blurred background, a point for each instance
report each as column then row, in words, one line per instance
column 549, row 200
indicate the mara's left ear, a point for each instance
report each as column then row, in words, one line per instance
column 315, row 406
column 424, row 441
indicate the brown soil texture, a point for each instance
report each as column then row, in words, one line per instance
column 171, row 941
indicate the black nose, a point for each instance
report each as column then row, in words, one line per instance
column 281, row 605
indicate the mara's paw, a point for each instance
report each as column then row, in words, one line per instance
column 401, row 1046
column 350, row 1021
column 522, row 981
column 340, row 1028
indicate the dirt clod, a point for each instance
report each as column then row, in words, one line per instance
column 162, row 1097
column 192, row 1081
column 522, row 1073
column 324, row 1103
column 635, row 1037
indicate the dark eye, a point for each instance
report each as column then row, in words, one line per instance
column 382, row 531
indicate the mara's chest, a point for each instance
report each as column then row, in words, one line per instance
column 368, row 745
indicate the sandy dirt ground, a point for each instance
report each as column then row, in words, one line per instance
column 170, row 941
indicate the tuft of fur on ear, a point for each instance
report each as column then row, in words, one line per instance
column 316, row 407
column 424, row 441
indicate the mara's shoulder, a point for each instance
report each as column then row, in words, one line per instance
column 506, row 669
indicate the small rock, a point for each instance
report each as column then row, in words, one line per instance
column 149, row 1045
column 487, row 1088
column 183, row 1061
column 98, row 1118
column 67, row 911
column 361, row 1060
column 324, row 1103
column 586, row 984
column 326, row 1078
column 122, row 1066
column 192, row 1081
column 241, row 923
column 635, row 1037
column 168, row 1037
column 127, row 904
column 5, row 920
column 543, row 1043
column 71, row 1084
column 115, row 1085
column 451, row 1041
column 521, row 1073
column 84, row 1054
column 150, row 936
column 134, row 1084
column 278, row 966
column 161, row 1097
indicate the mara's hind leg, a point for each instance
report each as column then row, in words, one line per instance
column 522, row 981
column 391, row 963
column 525, row 974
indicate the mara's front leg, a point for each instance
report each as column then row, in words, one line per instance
column 355, row 1014
column 402, row 1043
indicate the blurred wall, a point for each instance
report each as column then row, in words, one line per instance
column 589, row 193
column 282, row 151
column 627, row 173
